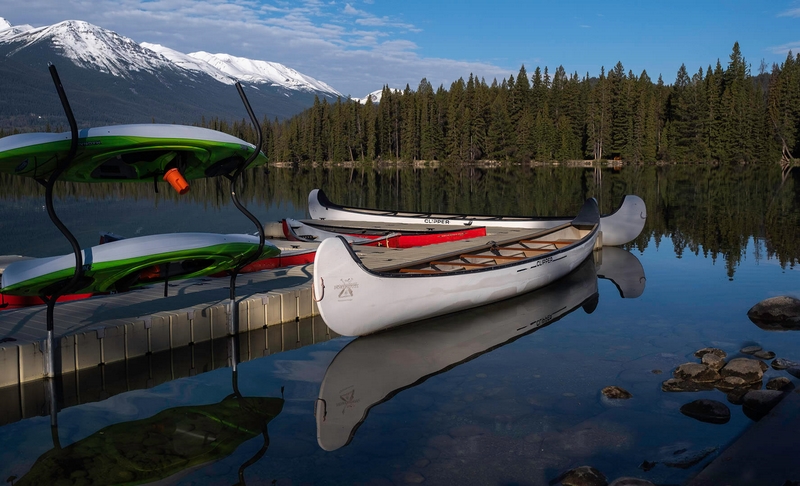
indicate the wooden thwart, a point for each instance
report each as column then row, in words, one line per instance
column 544, row 242
column 464, row 264
column 513, row 240
column 496, row 257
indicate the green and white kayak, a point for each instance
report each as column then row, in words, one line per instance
column 127, row 153
column 129, row 263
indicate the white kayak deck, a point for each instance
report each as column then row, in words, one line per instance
column 109, row 328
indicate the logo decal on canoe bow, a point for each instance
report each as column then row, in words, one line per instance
column 346, row 288
column 349, row 400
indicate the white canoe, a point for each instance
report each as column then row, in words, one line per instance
column 622, row 226
column 372, row 369
column 295, row 230
column 354, row 300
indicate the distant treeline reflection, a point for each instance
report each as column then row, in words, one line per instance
column 713, row 209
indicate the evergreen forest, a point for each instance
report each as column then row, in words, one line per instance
column 722, row 114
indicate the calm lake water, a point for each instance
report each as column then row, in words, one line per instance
column 504, row 394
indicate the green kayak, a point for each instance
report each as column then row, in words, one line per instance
column 127, row 153
column 134, row 262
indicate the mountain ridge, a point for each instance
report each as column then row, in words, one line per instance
column 127, row 79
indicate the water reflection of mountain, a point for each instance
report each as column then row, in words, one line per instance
column 143, row 451
column 372, row 369
column 716, row 210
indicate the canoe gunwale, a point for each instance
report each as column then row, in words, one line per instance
column 326, row 203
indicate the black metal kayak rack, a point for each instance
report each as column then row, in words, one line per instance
column 51, row 294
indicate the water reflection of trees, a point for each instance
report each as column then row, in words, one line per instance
column 715, row 210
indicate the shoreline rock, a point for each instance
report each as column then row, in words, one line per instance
column 780, row 313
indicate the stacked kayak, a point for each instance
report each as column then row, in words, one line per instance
column 127, row 153
column 129, row 263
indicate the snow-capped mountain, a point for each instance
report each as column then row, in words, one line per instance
column 189, row 63
column 89, row 46
column 123, row 81
column 375, row 96
column 263, row 72
column 7, row 30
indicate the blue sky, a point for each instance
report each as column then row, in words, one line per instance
column 357, row 46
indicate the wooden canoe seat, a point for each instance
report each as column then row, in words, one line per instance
column 546, row 242
column 418, row 270
column 495, row 257
column 523, row 248
column 463, row 264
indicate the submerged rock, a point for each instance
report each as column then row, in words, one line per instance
column 709, row 411
column 736, row 396
column 687, row 459
column 750, row 370
column 750, row 349
column 712, row 361
column 780, row 383
column 794, row 371
column 776, row 314
column 615, row 392
column 696, row 372
column 583, row 476
column 758, row 403
column 715, row 351
column 676, row 385
column 764, row 354
column 731, row 383
column 647, row 465
column 628, row 481
column 782, row 364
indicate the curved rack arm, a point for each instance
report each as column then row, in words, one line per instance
column 62, row 165
column 233, row 314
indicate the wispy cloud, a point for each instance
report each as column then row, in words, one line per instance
column 792, row 12
column 367, row 19
column 785, row 48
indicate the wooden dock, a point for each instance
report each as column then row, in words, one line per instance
column 108, row 329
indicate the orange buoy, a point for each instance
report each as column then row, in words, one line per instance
column 176, row 180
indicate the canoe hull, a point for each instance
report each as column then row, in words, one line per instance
column 354, row 300
column 372, row 369
column 618, row 228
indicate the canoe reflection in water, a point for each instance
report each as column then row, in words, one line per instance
column 148, row 450
column 372, row 369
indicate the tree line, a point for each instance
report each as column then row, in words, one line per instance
column 723, row 114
